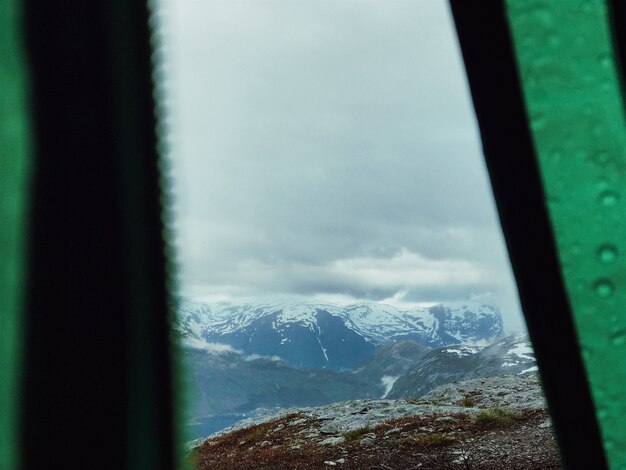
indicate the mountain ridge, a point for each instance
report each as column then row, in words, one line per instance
column 512, row 355
column 320, row 335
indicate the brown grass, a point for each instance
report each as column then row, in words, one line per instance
column 468, row 401
column 420, row 441
column 496, row 417
column 433, row 440
column 356, row 434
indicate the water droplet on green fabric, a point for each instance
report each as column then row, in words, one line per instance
column 554, row 40
column 588, row 7
column 556, row 153
column 601, row 158
column 609, row 198
column 604, row 288
column 598, row 130
column 618, row 337
column 602, row 413
column 537, row 121
column 581, row 154
column 605, row 59
column 607, row 253
column 541, row 14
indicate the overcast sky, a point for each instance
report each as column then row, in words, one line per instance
column 327, row 149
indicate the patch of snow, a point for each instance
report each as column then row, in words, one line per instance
column 481, row 343
column 462, row 351
column 522, row 350
column 530, row 369
column 254, row 357
column 323, row 348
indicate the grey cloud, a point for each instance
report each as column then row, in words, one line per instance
column 416, row 278
column 310, row 133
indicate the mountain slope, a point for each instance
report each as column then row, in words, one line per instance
column 390, row 362
column 227, row 382
column 512, row 355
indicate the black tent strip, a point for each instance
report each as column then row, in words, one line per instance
column 487, row 50
column 97, row 375
column 617, row 12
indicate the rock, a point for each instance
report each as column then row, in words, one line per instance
column 265, row 444
column 393, row 431
column 333, row 441
column 341, row 461
column 368, row 439
column 446, row 420
column 546, row 424
column 280, row 427
column 297, row 422
column 510, row 391
column 329, row 428
column 329, row 462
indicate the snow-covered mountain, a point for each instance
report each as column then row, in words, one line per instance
column 309, row 334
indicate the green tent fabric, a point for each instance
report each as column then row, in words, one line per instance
column 14, row 173
column 571, row 86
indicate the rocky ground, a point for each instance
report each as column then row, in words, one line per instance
column 492, row 423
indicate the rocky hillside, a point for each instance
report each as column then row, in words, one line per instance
column 512, row 355
column 492, row 423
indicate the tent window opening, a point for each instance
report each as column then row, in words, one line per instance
column 333, row 221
